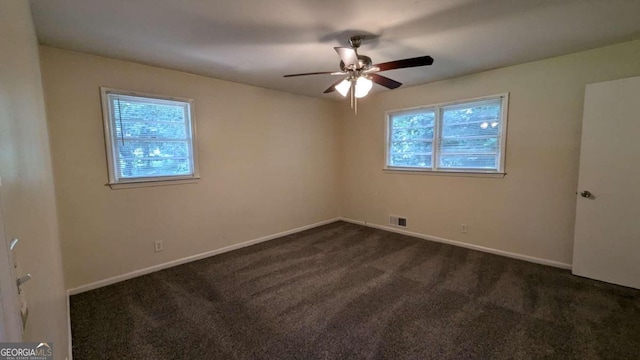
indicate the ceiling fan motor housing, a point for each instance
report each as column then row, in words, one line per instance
column 364, row 62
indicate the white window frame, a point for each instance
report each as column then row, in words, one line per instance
column 437, row 109
column 118, row 183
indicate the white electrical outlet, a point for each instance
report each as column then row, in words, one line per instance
column 158, row 246
column 464, row 228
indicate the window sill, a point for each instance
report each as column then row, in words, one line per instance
column 411, row 171
column 148, row 183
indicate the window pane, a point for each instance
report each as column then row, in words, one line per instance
column 146, row 109
column 411, row 138
column 411, row 147
column 154, row 167
column 481, row 119
column 153, row 159
column 483, row 128
column 151, row 130
column 471, row 136
column 152, row 149
column 412, row 134
column 473, row 146
column 409, row 160
column 422, row 119
column 488, row 162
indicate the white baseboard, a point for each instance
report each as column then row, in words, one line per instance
column 151, row 269
column 463, row 244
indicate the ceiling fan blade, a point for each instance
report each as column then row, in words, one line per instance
column 348, row 56
column 311, row 73
column 385, row 81
column 332, row 88
column 406, row 63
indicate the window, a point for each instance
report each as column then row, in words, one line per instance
column 150, row 139
column 464, row 136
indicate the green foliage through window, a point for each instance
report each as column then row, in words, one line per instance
column 467, row 136
column 151, row 137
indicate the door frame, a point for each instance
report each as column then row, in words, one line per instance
column 10, row 320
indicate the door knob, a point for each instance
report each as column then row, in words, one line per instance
column 586, row 194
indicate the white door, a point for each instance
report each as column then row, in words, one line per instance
column 10, row 318
column 607, row 232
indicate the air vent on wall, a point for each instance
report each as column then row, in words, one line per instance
column 397, row 221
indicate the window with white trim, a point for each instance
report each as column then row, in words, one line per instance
column 149, row 138
column 464, row 136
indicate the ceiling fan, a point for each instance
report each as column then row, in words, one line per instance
column 361, row 73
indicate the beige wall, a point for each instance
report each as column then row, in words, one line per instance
column 272, row 161
column 25, row 168
column 267, row 163
column 531, row 211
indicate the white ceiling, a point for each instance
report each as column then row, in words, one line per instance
column 257, row 41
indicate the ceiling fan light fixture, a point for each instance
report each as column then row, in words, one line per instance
column 363, row 86
column 343, row 87
column 361, row 73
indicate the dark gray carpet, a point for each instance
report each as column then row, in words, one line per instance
column 344, row 291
